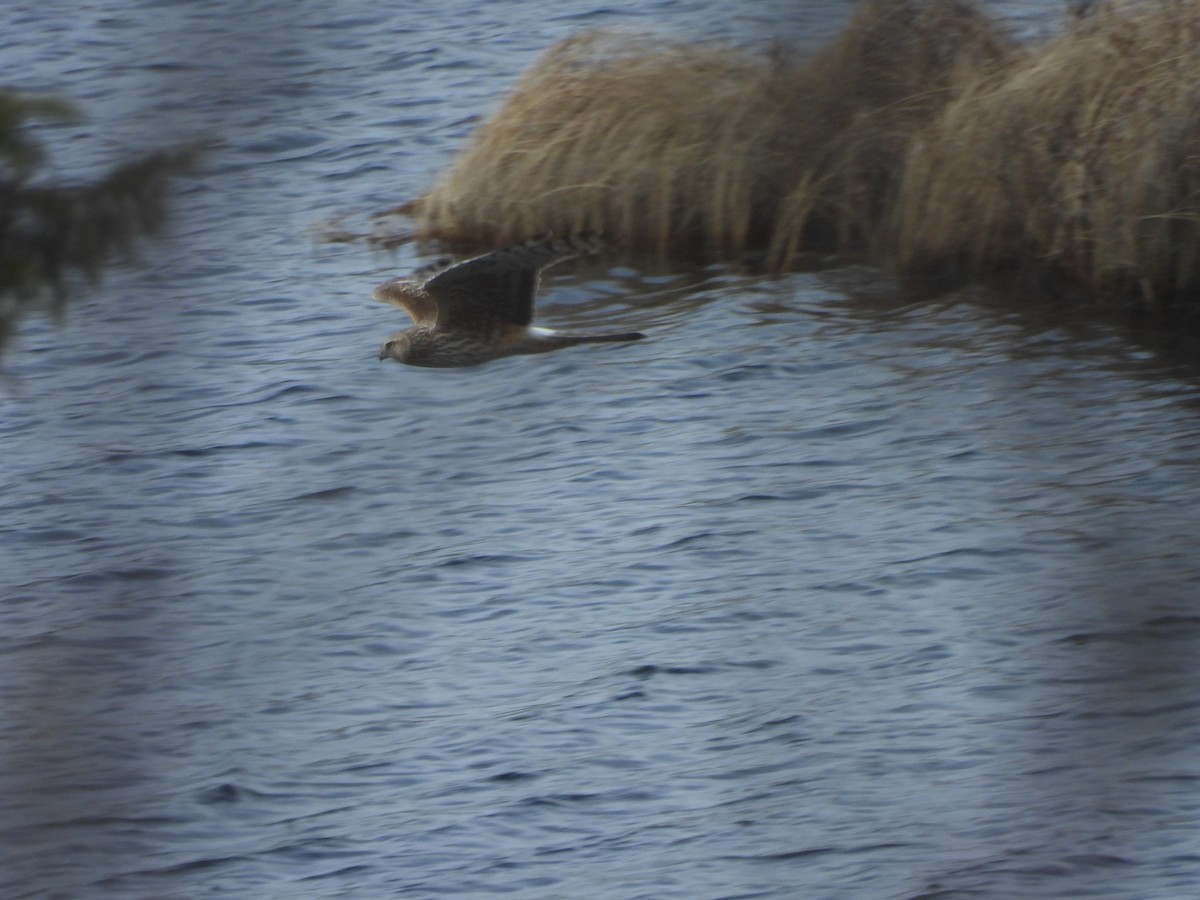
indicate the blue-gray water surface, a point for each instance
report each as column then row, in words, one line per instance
column 822, row 590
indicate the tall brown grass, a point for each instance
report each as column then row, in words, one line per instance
column 924, row 135
column 1077, row 164
column 709, row 150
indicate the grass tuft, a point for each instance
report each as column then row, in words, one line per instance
column 1077, row 165
column 924, row 135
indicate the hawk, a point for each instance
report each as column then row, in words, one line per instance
column 481, row 309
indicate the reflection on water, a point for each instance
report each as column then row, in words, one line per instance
column 820, row 590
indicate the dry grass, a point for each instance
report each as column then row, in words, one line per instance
column 923, row 135
column 707, row 150
column 650, row 143
column 1078, row 165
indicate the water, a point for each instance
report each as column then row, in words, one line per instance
column 820, row 591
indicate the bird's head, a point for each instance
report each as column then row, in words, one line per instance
column 395, row 347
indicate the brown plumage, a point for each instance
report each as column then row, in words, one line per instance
column 481, row 309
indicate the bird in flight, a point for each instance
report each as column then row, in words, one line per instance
column 481, row 309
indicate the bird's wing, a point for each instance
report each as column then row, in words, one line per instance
column 436, row 267
column 495, row 290
column 411, row 298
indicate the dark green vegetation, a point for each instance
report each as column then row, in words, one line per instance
column 54, row 235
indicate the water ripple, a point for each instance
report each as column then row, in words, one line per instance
column 722, row 613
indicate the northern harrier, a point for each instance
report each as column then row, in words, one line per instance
column 478, row 310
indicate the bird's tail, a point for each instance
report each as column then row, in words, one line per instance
column 541, row 340
column 570, row 338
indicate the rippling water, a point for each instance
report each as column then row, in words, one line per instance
column 820, row 591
